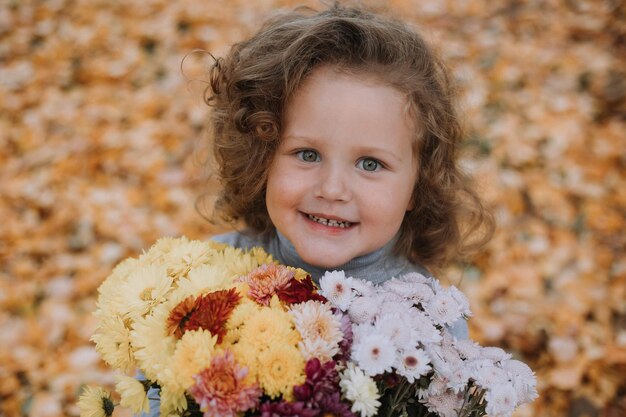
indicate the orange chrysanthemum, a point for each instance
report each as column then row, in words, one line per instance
column 267, row 280
column 209, row 312
column 221, row 391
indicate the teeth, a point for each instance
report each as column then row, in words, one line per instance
column 327, row 222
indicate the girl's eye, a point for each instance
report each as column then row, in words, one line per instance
column 369, row 164
column 308, row 156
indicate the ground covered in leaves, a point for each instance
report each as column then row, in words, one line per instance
column 100, row 132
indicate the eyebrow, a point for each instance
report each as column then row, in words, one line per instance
column 365, row 150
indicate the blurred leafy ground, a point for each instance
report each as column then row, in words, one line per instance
column 98, row 130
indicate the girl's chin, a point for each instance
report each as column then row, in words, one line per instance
column 328, row 261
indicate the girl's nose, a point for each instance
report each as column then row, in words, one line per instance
column 332, row 184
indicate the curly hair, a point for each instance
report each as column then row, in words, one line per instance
column 250, row 87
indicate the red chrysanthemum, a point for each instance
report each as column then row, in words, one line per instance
column 299, row 291
column 321, row 390
column 286, row 409
column 209, row 312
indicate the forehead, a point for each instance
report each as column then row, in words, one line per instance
column 339, row 96
column 346, row 108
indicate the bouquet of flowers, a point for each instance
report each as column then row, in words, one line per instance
column 220, row 332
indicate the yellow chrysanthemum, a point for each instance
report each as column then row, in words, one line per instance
column 277, row 305
column 145, row 288
column 247, row 356
column 156, row 253
column 269, row 327
column 172, row 402
column 261, row 256
column 95, row 402
column 113, row 342
column 109, row 291
column 193, row 353
column 153, row 345
column 283, row 367
column 300, row 273
column 240, row 263
column 186, row 255
column 133, row 394
column 218, row 246
column 203, row 279
column 242, row 313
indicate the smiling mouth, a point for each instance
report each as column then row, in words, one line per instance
column 329, row 222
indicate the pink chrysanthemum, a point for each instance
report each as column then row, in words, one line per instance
column 447, row 404
column 220, row 389
column 267, row 280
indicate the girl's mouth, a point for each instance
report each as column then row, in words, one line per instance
column 329, row 222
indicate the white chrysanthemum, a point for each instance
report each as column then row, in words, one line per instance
column 423, row 327
column 495, row 354
column 337, row 288
column 488, row 375
column 360, row 331
column 438, row 359
column 445, row 405
column 412, row 363
column 448, row 349
column 363, row 288
column 394, row 327
column 363, row 309
column 468, row 349
column 374, row 353
column 416, row 292
column 443, row 308
column 417, row 278
column 438, row 385
column 359, row 389
column 146, row 287
column 480, row 363
column 320, row 330
column 523, row 378
column 501, row 400
column 113, row 343
column 133, row 394
column 394, row 304
column 459, row 377
column 464, row 305
column 391, row 298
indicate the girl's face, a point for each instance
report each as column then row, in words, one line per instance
column 342, row 178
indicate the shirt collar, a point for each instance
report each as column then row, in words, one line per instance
column 287, row 254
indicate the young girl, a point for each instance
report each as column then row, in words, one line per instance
column 336, row 144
